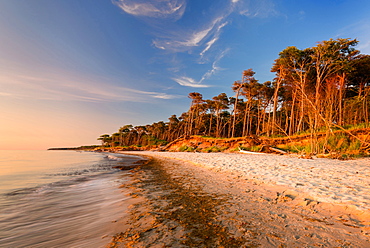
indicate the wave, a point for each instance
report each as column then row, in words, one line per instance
column 93, row 169
column 110, row 163
column 42, row 189
column 76, row 212
column 113, row 157
column 23, row 191
column 121, row 157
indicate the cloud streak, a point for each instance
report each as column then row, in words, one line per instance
column 184, row 40
column 178, row 39
column 175, row 38
column 253, row 9
column 163, row 9
column 216, row 36
column 360, row 31
column 49, row 88
column 200, row 39
column 178, row 42
column 189, row 82
column 215, row 67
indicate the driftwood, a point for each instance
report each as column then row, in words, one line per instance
column 264, row 149
column 277, row 150
column 249, row 152
column 268, row 149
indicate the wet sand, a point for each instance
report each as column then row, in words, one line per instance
column 177, row 203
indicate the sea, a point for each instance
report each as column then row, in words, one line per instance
column 61, row 198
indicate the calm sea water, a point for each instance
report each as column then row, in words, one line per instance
column 60, row 198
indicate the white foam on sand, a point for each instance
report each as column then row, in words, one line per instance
column 326, row 180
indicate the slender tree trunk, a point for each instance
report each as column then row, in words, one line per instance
column 292, row 116
column 276, row 94
column 245, row 122
column 234, row 113
column 342, row 79
column 210, row 125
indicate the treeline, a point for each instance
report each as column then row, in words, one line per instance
column 84, row 148
column 324, row 87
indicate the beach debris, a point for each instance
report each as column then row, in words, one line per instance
column 284, row 197
column 249, row 152
column 265, row 149
column 250, row 190
column 277, row 150
column 309, row 202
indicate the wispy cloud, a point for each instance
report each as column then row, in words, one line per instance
column 66, row 89
column 216, row 36
column 198, row 40
column 253, row 9
column 183, row 40
column 209, row 44
column 180, row 42
column 189, row 82
column 159, row 95
column 358, row 30
column 164, row 9
column 5, row 94
column 364, row 47
column 215, row 67
column 205, row 34
column 176, row 38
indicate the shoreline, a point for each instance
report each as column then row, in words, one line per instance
column 249, row 211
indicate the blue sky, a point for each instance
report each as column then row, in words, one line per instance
column 71, row 70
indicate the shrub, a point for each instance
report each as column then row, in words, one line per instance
column 296, row 148
column 356, row 126
column 186, row 149
column 250, row 148
column 214, row 149
column 338, row 142
column 354, row 146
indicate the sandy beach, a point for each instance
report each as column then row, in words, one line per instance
column 247, row 200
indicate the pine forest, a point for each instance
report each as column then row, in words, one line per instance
column 321, row 89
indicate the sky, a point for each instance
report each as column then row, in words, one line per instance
column 72, row 70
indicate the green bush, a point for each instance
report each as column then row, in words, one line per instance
column 354, row 145
column 357, row 126
column 212, row 149
column 338, row 142
column 255, row 148
column 215, row 149
column 296, row 148
column 250, row 148
column 186, row 149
